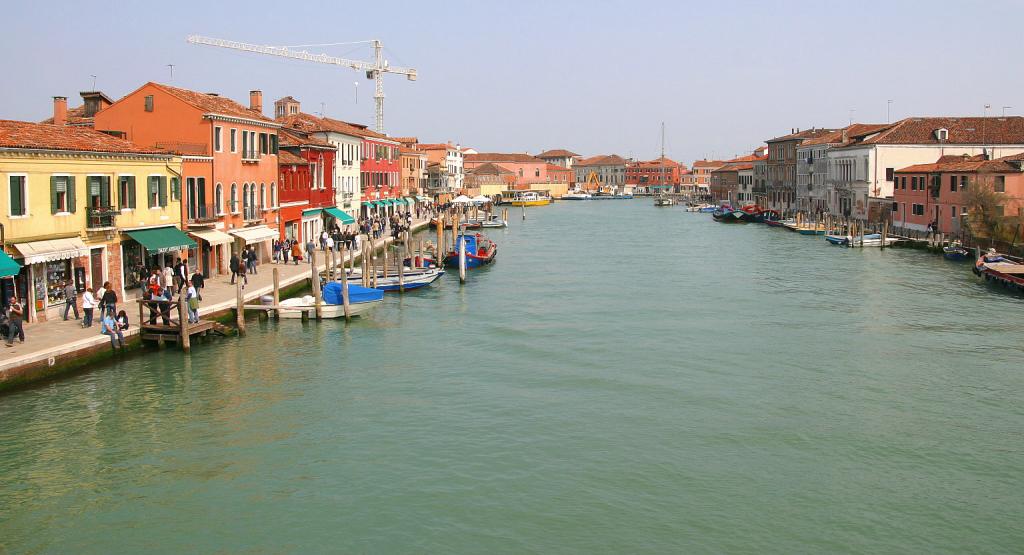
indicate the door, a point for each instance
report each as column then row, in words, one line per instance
column 96, row 267
column 207, row 252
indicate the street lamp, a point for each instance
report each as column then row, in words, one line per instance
column 888, row 109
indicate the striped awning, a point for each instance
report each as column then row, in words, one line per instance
column 49, row 251
column 256, row 234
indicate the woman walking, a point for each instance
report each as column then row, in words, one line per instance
column 109, row 300
column 88, row 304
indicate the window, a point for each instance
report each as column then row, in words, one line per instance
column 889, row 174
column 1000, row 185
column 264, row 145
column 218, row 196
column 918, row 209
column 234, row 140
column 62, row 194
column 913, row 183
column 263, row 196
column 952, row 183
column 952, row 212
column 999, row 210
column 18, row 196
column 99, row 191
column 536, row 172
column 273, row 144
column 273, row 194
column 176, row 188
column 245, row 144
column 234, row 198
column 149, row 103
column 156, row 193
column 895, row 206
column 216, row 138
column 963, row 182
column 126, row 191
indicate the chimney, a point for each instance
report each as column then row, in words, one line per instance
column 256, row 101
column 60, row 110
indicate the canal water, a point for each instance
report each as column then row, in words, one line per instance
column 625, row 379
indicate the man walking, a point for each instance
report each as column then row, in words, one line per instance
column 235, row 265
column 14, row 316
column 70, row 299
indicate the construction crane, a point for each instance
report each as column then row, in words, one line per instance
column 374, row 70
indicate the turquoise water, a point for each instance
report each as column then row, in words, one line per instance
column 625, row 379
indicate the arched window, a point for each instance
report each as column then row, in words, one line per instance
column 245, row 198
column 252, row 199
column 273, row 195
column 263, row 196
column 234, row 197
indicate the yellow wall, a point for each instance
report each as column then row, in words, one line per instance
column 41, row 224
column 492, row 189
column 556, row 190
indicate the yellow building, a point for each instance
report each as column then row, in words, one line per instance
column 83, row 206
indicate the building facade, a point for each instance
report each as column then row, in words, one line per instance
column 862, row 168
column 661, row 174
column 603, row 173
column 559, row 157
column 306, row 186
column 229, row 175
column 781, row 167
column 81, row 206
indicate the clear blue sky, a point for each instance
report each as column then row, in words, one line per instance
column 529, row 75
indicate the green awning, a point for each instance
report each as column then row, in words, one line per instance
column 8, row 267
column 424, row 199
column 386, row 202
column 342, row 217
column 410, row 201
column 368, row 203
column 399, row 202
column 162, row 239
column 379, row 203
column 311, row 212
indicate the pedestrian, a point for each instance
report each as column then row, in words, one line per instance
column 277, row 251
column 70, row 299
column 199, row 282
column 192, row 302
column 253, row 258
column 88, row 304
column 98, row 303
column 329, row 243
column 183, row 273
column 285, row 249
column 152, row 305
column 235, row 265
column 296, row 252
column 165, row 301
column 15, row 313
column 108, row 301
column 177, row 274
column 122, row 321
column 168, row 281
column 108, row 326
column 323, row 241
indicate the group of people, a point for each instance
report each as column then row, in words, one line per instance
column 242, row 264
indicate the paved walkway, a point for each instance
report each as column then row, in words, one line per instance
column 59, row 337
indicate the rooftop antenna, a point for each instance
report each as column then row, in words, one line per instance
column 888, row 110
column 93, row 82
column 356, row 83
column 171, row 67
column 852, row 110
column 323, row 109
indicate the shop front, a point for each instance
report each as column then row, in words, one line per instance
column 213, row 250
column 312, row 225
column 151, row 248
column 258, row 237
column 47, row 267
column 336, row 217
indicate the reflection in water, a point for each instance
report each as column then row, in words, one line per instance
column 621, row 377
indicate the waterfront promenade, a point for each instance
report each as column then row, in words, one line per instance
column 52, row 346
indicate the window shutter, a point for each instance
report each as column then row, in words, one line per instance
column 71, row 193
column 162, row 181
column 273, row 144
column 54, row 206
column 151, row 189
column 131, row 192
column 175, row 188
column 15, row 188
column 104, row 191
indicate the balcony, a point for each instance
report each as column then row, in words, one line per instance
column 252, row 214
column 101, row 218
column 201, row 213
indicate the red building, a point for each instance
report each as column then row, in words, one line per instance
column 937, row 193
column 662, row 172
column 380, row 168
column 306, row 185
column 228, row 186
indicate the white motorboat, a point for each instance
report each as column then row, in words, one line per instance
column 360, row 301
column 412, row 278
column 664, row 200
column 577, row 195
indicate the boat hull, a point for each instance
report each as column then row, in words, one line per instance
column 538, row 202
column 326, row 310
column 414, row 279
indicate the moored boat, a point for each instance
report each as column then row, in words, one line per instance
column 480, row 251
column 1001, row 269
column 360, row 301
column 664, row 200
column 576, row 194
column 869, row 240
column 412, row 278
column 530, row 198
column 955, row 251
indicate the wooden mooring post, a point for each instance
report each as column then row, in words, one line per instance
column 239, row 311
column 277, row 291
column 344, row 284
column 186, row 344
column 317, row 293
column 462, row 260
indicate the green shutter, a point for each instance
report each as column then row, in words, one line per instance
column 131, row 192
column 162, row 181
column 17, row 198
column 54, row 205
column 151, row 188
column 71, row 194
column 175, row 188
column 104, row 191
column 273, row 143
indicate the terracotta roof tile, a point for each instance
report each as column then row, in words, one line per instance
column 44, row 136
column 212, row 104
column 501, row 157
column 602, row 160
column 311, row 124
column 708, row 163
column 557, row 153
column 490, row 169
column 965, row 164
column 285, row 157
column 970, row 130
column 289, row 137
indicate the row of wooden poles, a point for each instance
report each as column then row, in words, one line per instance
column 837, row 225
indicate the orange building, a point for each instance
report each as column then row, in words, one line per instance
column 229, row 172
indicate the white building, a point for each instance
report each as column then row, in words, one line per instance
column 451, row 159
column 345, row 139
column 559, row 157
column 861, row 168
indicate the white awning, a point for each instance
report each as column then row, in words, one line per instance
column 48, row 251
column 211, row 236
column 256, row 234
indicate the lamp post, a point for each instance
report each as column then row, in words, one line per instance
column 888, row 111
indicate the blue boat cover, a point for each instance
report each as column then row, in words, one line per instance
column 356, row 293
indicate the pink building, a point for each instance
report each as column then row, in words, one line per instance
column 527, row 169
